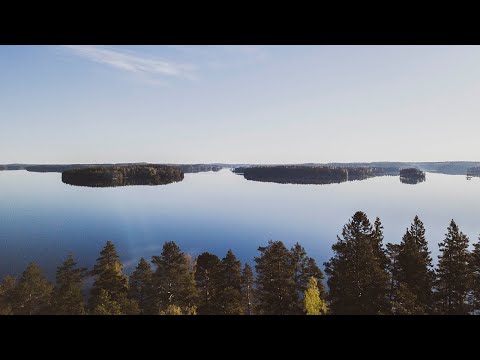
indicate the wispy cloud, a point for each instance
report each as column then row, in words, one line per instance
column 149, row 68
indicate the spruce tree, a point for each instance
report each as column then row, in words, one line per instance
column 275, row 280
column 248, row 299
column 231, row 271
column 33, row 293
column 304, row 268
column 7, row 295
column 106, row 305
column 415, row 268
column 207, row 270
column 230, row 296
column 141, row 287
column 67, row 295
column 173, row 279
column 313, row 303
column 358, row 281
column 475, row 273
column 454, row 272
column 109, row 276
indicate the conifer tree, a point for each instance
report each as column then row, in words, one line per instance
column 207, row 278
column 275, row 280
column 7, row 295
column 173, row 278
column 313, row 304
column 231, row 271
column 106, row 305
column 454, row 272
column 109, row 276
column 67, row 295
column 141, row 287
column 304, row 268
column 475, row 273
column 230, row 296
column 248, row 299
column 33, row 292
column 415, row 268
column 358, row 281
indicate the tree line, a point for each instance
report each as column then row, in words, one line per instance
column 364, row 276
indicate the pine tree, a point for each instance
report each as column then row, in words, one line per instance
column 7, row 295
column 207, row 278
column 304, row 268
column 248, row 299
column 475, row 272
column 415, row 268
column 231, row 271
column 313, row 304
column 33, row 292
column 230, row 296
column 109, row 276
column 454, row 273
column 173, row 279
column 358, row 281
column 172, row 310
column 275, row 280
column 106, row 305
column 67, row 295
column 141, row 287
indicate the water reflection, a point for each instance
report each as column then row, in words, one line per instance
column 42, row 219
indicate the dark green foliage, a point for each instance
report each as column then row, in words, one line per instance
column 67, row 295
column 415, row 269
column 411, row 176
column 105, row 305
column 275, row 280
column 33, row 292
column 108, row 272
column 173, row 280
column 7, row 295
column 231, row 301
column 475, row 273
column 299, row 174
column 230, row 297
column 231, row 271
column 248, row 291
column 207, row 279
column 454, row 272
column 358, row 281
column 141, row 288
column 107, row 176
column 305, row 267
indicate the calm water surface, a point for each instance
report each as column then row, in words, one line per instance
column 42, row 219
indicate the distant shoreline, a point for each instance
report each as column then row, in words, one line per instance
column 445, row 167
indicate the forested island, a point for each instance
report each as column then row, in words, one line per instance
column 412, row 176
column 364, row 276
column 473, row 171
column 293, row 174
column 111, row 176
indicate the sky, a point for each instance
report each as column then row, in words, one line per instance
column 238, row 104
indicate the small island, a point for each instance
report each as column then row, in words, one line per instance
column 411, row 176
column 473, row 171
column 299, row 174
column 111, row 176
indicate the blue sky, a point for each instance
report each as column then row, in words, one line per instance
column 239, row 104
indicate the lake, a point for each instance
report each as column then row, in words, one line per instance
column 43, row 219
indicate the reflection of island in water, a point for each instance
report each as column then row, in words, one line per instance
column 111, row 176
column 299, row 174
column 411, row 176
